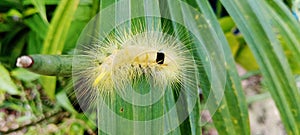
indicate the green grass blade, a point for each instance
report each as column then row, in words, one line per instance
column 270, row 57
column 229, row 118
column 236, row 120
column 34, row 43
column 288, row 28
column 36, row 24
column 194, row 117
column 63, row 100
column 40, row 5
column 232, row 116
column 95, row 7
column 6, row 83
column 56, row 37
column 193, row 123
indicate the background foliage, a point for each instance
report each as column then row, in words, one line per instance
column 262, row 36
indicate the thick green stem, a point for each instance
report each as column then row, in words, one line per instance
column 50, row 65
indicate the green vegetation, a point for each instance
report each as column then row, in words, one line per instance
column 261, row 36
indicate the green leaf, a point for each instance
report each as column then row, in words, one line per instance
column 63, row 100
column 233, row 42
column 258, row 97
column 40, row 5
column 232, row 115
column 29, row 12
column 34, row 43
column 14, row 106
column 81, row 18
column 49, row 85
column 56, row 37
column 227, row 24
column 2, row 97
column 6, row 83
column 6, row 27
column 14, row 13
column 36, row 24
column 286, row 28
column 253, row 20
column 59, row 27
column 24, row 75
column 18, row 48
column 12, row 48
column 7, row 4
column 192, row 125
column 246, row 59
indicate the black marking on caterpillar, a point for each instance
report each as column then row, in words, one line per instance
column 160, row 57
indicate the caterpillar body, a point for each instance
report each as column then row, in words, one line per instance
column 126, row 57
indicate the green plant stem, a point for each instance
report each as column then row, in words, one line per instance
column 249, row 74
column 50, row 65
column 258, row 97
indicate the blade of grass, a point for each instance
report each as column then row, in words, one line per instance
column 194, row 117
column 34, row 43
column 169, row 9
column 64, row 101
column 40, row 5
column 269, row 56
column 236, row 120
column 6, row 83
column 234, row 100
column 82, row 16
column 291, row 94
column 36, row 24
column 258, row 97
column 95, row 7
column 56, row 36
column 288, row 29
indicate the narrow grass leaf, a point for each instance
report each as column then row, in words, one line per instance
column 36, row 24
column 287, row 28
column 254, row 23
column 40, row 5
column 6, row 83
column 56, row 37
column 233, row 108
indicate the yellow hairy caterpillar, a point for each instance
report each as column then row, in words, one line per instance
column 152, row 54
column 125, row 58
